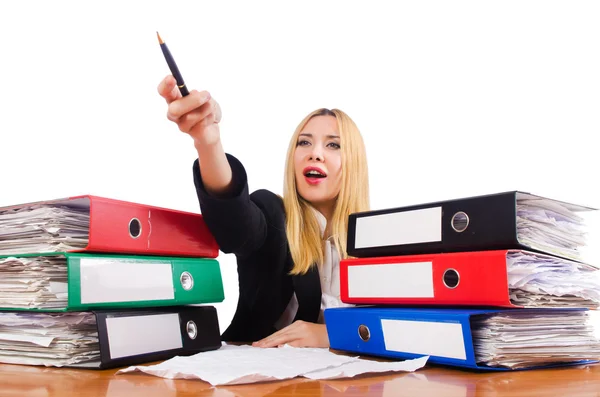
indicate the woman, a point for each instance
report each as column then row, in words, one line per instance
column 287, row 250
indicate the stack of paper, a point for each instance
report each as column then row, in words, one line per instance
column 546, row 281
column 76, row 290
column 33, row 282
column 56, row 339
column 42, row 228
column 550, row 226
column 520, row 339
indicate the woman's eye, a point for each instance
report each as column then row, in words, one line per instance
column 303, row 143
column 334, row 145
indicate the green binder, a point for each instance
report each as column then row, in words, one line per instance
column 83, row 281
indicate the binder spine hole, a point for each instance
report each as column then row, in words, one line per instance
column 187, row 281
column 451, row 278
column 135, row 228
column 191, row 329
column 364, row 333
column 460, row 222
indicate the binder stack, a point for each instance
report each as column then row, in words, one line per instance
column 93, row 282
column 495, row 282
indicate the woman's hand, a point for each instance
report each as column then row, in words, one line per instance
column 298, row 334
column 196, row 114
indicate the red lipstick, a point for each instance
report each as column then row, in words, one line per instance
column 314, row 175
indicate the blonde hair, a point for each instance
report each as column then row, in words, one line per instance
column 302, row 227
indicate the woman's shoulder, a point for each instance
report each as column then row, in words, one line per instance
column 271, row 205
column 267, row 199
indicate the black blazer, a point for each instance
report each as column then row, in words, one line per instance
column 252, row 226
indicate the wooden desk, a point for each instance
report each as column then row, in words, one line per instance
column 30, row 381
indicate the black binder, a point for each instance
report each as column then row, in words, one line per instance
column 198, row 332
column 487, row 222
column 124, row 336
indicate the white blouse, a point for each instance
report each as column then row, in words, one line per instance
column 329, row 273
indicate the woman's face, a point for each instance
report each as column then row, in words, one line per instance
column 318, row 163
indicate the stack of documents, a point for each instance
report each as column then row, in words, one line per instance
column 83, row 279
column 98, row 224
column 497, row 221
column 57, row 339
column 40, row 228
column 486, row 339
column 550, row 226
column 505, row 278
column 523, row 339
column 33, row 282
column 499, row 281
column 536, row 280
column 106, row 338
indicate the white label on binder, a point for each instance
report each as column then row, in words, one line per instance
column 391, row 280
column 130, row 336
column 440, row 339
column 119, row 280
column 399, row 228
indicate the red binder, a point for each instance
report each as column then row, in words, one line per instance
column 478, row 278
column 132, row 228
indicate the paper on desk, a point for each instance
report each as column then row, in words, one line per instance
column 354, row 368
column 231, row 365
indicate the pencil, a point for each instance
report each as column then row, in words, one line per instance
column 173, row 66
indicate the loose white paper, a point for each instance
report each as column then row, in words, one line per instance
column 354, row 368
column 234, row 365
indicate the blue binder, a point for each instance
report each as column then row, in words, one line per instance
column 445, row 335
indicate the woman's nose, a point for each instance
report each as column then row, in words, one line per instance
column 316, row 154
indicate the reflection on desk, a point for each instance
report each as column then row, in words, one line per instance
column 21, row 380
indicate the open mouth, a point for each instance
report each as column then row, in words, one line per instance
column 314, row 174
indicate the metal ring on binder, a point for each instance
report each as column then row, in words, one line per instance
column 187, row 281
column 191, row 329
column 460, row 222
column 451, row 278
column 364, row 333
column 135, row 228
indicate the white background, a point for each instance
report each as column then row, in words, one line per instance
column 453, row 98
